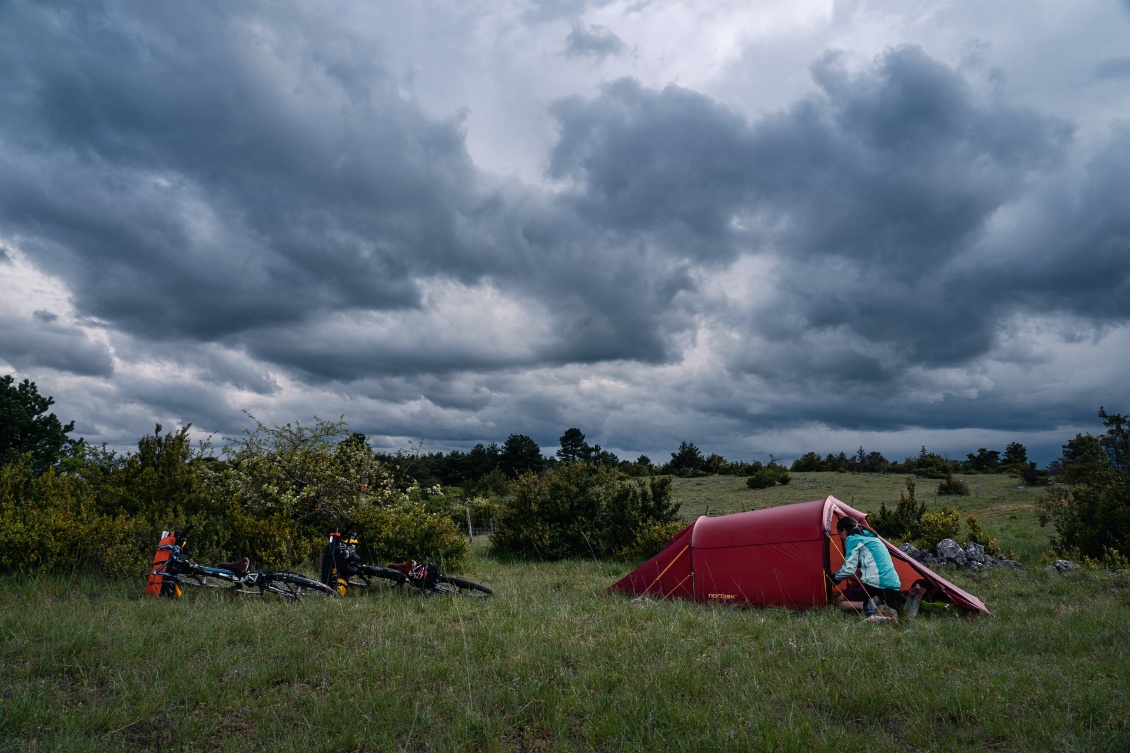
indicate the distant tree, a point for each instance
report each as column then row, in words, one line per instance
column 763, row 477
column 868, row 462
column 573, row 446
column 1082, row 457
column 809, row 462
column 688, row 459
column 985, row 461
column 930, row 465
column 641, row 467
column 714, row 463
column 520, row 454
column 481, row 460
column 1015, row 457
column 837, row 463
column 1116, row 440
column 26, row 427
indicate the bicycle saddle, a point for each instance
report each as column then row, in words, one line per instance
column 404, row 567
column 239, row 567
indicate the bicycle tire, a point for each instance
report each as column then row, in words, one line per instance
column 294, row 586
column 463, row 586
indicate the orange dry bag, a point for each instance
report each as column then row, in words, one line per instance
column 156, row 587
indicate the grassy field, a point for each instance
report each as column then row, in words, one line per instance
column 550, row 663
column 1004, row 507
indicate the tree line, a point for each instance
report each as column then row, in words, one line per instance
column 274, row 491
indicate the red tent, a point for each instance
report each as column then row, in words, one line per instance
column 779, row 556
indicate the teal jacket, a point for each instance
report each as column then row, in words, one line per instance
column 868, row 554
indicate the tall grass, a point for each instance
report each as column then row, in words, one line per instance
column 552, row 664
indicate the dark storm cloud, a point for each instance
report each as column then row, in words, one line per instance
column 868, row 193
column 593, row 41
column 198, row 174
column 45, row 342
column 249, row 204
column 645, row 161
column 1071, row 252
column 192, row 174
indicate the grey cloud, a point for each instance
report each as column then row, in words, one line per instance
column 181, row 185
column 593, row 41
column 1114, row 68
column 669, row 161
column 46, row 342
column 894, row 171
column 223, row 185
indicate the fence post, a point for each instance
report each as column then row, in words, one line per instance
column 470, row 531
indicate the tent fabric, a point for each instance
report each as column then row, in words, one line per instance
column 779, row 556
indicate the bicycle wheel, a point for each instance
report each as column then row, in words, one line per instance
column 294, row 586
column 452, row 584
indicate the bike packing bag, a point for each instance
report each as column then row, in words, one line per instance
column 329, row 570
column 157, row 585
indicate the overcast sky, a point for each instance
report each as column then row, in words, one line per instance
column 765, row 227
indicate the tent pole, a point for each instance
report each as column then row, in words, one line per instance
column 690, row 554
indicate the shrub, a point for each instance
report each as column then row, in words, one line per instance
column 580, row 510
column 1091, row 518
column 978, row 535
column 394, row 535
column 950, row 486
column 273, row 540
column 651, row 539
column 902, row 523
column 767, row 477
column 944, row 523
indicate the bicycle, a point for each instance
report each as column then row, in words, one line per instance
column 342, row 568
column 173, row 569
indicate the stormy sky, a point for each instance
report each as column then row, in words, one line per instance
column 763, row 228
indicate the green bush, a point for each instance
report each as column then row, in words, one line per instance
column 650, row 540
column 50, row 522
column 944, row 523
column 978, row 535
column 395, row 535
column 950, row 486
column 1092, row 514
column 902, row 523
column 580, row 510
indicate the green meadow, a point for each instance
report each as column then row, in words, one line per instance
column 550, row 663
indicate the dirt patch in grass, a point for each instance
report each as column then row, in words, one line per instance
column 998, row 511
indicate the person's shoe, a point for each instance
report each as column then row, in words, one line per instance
column 878, row 619
column 914, row 601
column 870, row 608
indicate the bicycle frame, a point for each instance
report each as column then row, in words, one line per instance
column 171, row 565
column 342, row 568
